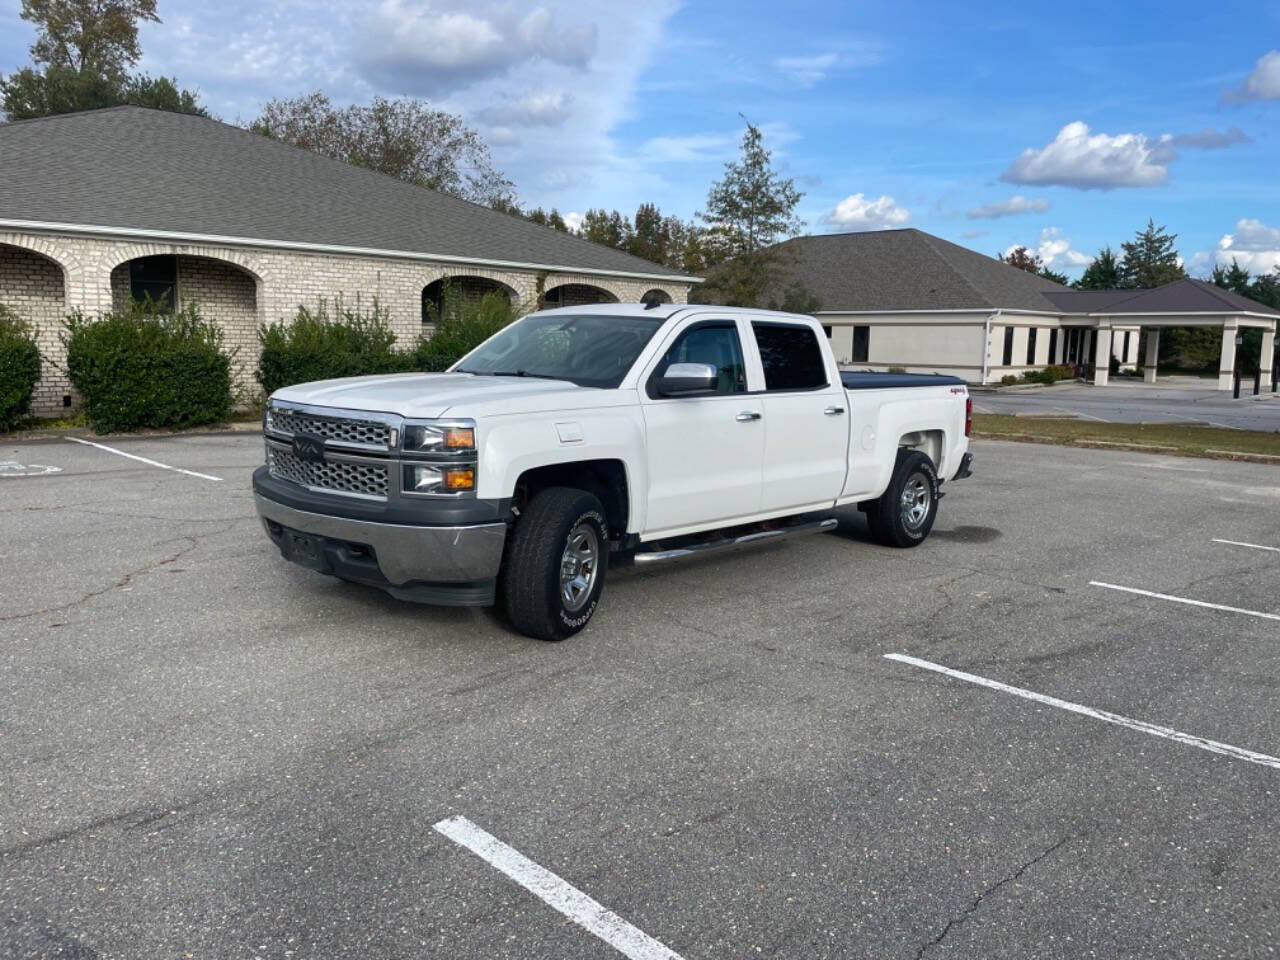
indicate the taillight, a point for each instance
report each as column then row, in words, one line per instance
column 968, row 416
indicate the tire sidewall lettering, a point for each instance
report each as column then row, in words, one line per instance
column 577, row 622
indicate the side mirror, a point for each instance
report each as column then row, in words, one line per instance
column 687, row 379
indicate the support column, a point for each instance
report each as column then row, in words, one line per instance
column 1101, row 356
column 1153, row 354
column 1227, row 361
column 1268, row 355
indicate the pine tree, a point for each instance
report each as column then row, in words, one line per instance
column 747, row 213
column 1102, row 274
column 1151, row 259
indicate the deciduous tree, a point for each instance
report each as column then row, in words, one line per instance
column 403, row 138
column 81, row 57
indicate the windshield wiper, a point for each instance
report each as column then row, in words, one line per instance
column 520, row 373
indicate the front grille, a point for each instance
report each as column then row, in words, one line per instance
column 363, row 479
column 370, row 433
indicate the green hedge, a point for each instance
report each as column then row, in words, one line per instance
column 19, row 369
column 465, row 325
column 142, row 368
column 317, row 346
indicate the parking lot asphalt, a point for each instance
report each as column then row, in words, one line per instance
column 210, row 753
column 1127, row 402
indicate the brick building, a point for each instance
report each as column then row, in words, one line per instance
column 99, row 207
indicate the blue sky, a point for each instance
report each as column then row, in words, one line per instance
column 1059, row 127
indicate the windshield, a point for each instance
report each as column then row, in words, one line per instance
column 586, row 350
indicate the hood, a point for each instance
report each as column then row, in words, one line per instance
column 426, row 395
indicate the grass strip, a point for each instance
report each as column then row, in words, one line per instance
column 1183, row 439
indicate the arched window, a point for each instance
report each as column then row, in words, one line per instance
column 576, row 295
column 442, row 296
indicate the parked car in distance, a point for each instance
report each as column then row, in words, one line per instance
column 584, row 434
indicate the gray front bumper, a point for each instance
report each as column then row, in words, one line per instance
column 405, row 554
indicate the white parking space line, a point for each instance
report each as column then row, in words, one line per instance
column 1186, row 600
column 153, row 463
column 557, row 893
column 1241, row 543
column 1168, row 733
column 978, row 409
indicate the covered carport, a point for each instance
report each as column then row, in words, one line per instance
column 1183, row 303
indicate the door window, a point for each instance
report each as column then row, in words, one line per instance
column 791, row 357
column 714, row 343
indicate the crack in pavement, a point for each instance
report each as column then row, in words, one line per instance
column 192, row 540
column 977, row 902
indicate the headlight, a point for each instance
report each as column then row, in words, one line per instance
column 428, row 438
column 421, row 478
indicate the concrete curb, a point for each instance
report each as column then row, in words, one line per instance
column 52, row 435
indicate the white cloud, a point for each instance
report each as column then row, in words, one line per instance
column 1254, row 245
column 1076, row 158
column 807, row 70
column 433, row 47
column 857, row 212
column 1263, row 82
column 1015, row 205
column 573, row 221
column 1054, row 250
column 547, row 109
column 692, row 148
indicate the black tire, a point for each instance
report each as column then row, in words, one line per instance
column 532, row 591
column 892, row 520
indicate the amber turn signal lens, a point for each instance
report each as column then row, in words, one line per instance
column 460, row 438
column 459, row 479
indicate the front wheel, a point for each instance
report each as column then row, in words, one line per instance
column 904, row 514
column 556, row 562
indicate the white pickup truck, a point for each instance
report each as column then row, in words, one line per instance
column 632, row 431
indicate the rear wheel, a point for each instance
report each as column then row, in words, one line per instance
column 556, row 563
column 904, row 513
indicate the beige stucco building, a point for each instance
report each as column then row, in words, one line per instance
column 905, row 298
column 99, row 207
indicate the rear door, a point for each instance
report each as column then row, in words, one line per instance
column 705, row 452
column 806, row 423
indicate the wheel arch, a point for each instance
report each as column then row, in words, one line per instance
column 932, row 443
column 605, row 478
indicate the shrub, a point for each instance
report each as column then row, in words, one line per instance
column 144, row 368
column 465, row 325
column 19, row 369
column 897, row 370
column 316, row 346
column 1008, row 379
column 1050, row 374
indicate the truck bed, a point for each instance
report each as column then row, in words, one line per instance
column 871, row 380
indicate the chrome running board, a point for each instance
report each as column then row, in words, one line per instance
column 747, row 539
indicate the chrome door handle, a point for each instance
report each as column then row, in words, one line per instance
column 746, row 416
column 833, row 411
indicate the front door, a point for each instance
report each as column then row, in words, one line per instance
column 705, row 452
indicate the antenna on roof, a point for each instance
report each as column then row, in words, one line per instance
column 651, row 302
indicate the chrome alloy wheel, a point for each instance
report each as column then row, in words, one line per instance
column 579, row 567
column 917, row 497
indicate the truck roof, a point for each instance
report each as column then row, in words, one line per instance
column 665, row 310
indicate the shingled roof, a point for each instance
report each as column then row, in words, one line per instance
column 131, row 168
column 909, row 270
column 1180, row 296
